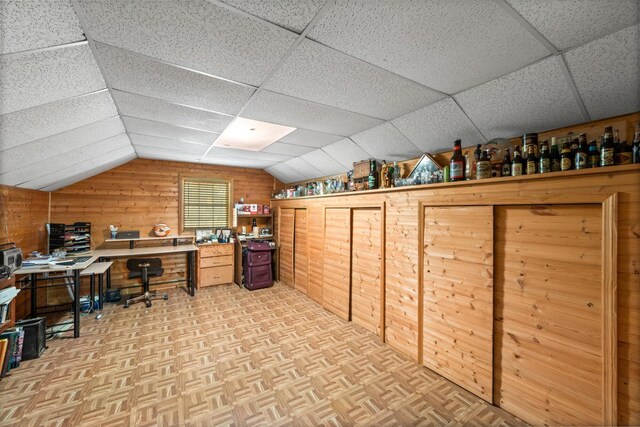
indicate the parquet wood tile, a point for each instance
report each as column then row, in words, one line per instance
column 230, row 357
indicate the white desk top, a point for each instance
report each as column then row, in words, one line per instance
column 142, row 239
column 153, row 250
column 57, row 268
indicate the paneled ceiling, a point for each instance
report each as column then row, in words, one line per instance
column 87, row 85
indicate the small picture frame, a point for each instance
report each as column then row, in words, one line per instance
column 426, row 167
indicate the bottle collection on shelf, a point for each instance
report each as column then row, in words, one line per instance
column 544, row 157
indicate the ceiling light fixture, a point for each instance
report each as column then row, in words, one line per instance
column 254, row 135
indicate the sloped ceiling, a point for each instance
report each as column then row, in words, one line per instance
column 87, row 85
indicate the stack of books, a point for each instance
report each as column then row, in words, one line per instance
column 11, row 344
column 6, row 296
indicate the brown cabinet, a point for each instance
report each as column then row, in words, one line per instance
column 215, row 264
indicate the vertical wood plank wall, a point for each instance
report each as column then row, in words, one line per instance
column 301, row 250
column 402, row 227
column 286, row 229
column 337, row 261
column 548, row 313
column 458, row 295
column 366, row 274
column 315, row 219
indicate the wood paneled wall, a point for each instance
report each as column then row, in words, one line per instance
column 23, row 215
column 142, row 193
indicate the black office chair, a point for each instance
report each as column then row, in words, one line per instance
column 144, row 268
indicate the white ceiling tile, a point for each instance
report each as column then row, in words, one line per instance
column 385, row 142
column 89, row 163
column 321, row 74
column 68, row 160
column 293, row 15
column 310, row 138
column 51, row 119
column 247, row 154
column 158, row 153
column 36, row 78
column 434, row 128
column 133, row 73
column 284, row 173
column 163, row 130
column 606, row 73
column 237, row 162
column 303, row 168
column 533, row 99
column 324, row 162
column 197, row 34
column 290, row 150
column 33, row 24
column 95, row 171
column 346, row 152
column 299, row 113
column 446, row 45
column 188, row 148
column 570, row 23
column 143, row 107
column 31, row 152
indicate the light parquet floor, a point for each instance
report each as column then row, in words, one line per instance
column 231, row 357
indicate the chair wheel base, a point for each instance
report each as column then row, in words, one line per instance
column 148, row 304
column 126, row 304
column 166, row 297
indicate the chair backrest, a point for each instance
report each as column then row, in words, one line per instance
column 133, row 264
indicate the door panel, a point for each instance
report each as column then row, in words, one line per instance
column 337, row 261
column 316, row 253
column 366, row 283
column 458, row 295
column 301, row 251
column 286, row 226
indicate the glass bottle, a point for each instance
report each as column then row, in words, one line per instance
column 573, row 144
column 607, row 148
column 636, row 145
column 506, row 163
column 580, row 161
column 516, row 163
column 545, row 158
column 566, row 162
column 396, row 172
column 456, row 164
column 476, row 156
column 594, row 155
column 483, row 167
column 555, row 155
column 373, row 175
column 532, row 161
column 624, row 155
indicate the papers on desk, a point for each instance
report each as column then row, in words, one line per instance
column 8, row 294
column 39, row 261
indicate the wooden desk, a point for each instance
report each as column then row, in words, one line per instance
column 74, row 269
column 190, row 250
column 133, row 240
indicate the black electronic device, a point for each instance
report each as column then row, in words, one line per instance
column 11, row 258
column 35, row 338
column 128, row 235
column 112, row 295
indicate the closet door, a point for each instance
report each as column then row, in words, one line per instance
column 549, row 313
column 286, row 227
column 301, row 251
column 337, row 261
column 458, row 295
column 366, row 274
column 316, row 252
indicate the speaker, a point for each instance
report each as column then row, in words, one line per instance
column 112, row 295
column 35, row 337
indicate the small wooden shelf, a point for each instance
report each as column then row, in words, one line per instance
column 255, row 215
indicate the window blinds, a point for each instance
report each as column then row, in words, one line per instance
column 205, row 203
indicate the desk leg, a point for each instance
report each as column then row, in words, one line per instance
column 190, row 272
column 108, row 274
column 76, row 303
column 34, row 299
column 92, row 291
column 101, row 290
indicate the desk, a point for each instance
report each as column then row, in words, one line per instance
column 74, row 269
column 190, row 250
column 133, row 240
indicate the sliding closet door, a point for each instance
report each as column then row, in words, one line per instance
column 286, row 226
column 366, row 274
column 301, row 251
column 337, row 261
column 458, row 295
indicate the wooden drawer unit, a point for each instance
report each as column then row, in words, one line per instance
column 215, row 265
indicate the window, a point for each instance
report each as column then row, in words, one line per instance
column 205, row 203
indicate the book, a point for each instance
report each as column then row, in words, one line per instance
column 17, row 352
column 3, row 353
column 4, row 309
column 8, row 353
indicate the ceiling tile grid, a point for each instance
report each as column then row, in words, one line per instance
column 237, row 162
column 191, row 149
column 284, row 173
column 529, row 100
column 141, row 75
column 51, row 119
column 246, row 154
column 320, row 74
column 34, row 24
column 385, row 142
column 143, row 107
column 36, row 78
column 157, row 153
column 324, row 163
column 346, row 152
column 31, row 152
column 197, row 34
column 436, row 127
column 569, row 23
column 293, row 15
column 310, row 138
column 445, row 45
column 163, row 130
column 299, row 113
column 303, row 168
column 606, row 73
column 287, row 149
